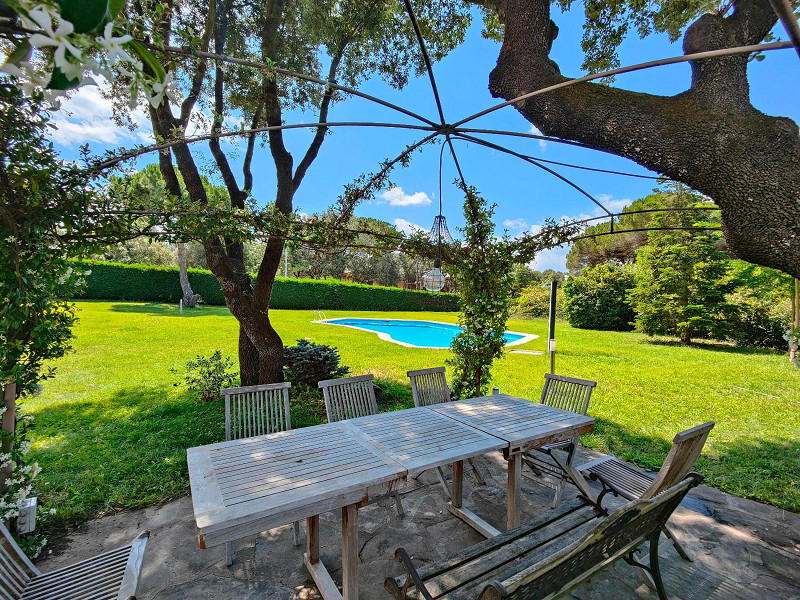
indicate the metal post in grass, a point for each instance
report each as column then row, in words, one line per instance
column 551, row 330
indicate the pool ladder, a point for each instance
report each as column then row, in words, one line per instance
column 319, row 316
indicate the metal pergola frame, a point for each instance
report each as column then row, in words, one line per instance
column 457, row 130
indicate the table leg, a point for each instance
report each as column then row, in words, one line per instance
column 512, row 509
column 350, row 552
column 457, row 484
column 312, row 539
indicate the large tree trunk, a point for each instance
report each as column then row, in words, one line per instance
column 709, row 137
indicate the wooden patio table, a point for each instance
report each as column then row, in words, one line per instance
column 246, row 486
column 523, row 425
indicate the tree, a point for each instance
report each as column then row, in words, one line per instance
column 682, row 279
column 351, row 39
column 621, row 248
column 595, row 299
column 709, row 137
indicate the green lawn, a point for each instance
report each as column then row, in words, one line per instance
column 113, row 428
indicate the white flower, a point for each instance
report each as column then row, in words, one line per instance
column 113, row 45
column 160, row 90
column 58, row 38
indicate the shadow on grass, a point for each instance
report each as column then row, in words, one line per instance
column 170, row 310
column 126, row 451
column 766, row 470
column 709, row 345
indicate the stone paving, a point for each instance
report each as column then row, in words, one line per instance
column 742, row 550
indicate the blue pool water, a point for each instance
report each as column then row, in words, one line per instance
column 422, row 334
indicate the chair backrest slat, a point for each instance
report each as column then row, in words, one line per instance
column 256, row 410
column 16, row 569
column 349, row 397
column 429, row 386
column 615, row 536
column 567, row 393
column 686, row 448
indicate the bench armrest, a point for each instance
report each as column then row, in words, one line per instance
column 392, row 586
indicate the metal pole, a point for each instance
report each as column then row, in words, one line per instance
column 180, row 306
column 551, row 330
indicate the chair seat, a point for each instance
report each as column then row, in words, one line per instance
column 629, row 482
column 539, row 458
column 97, row 578
column 465, row 574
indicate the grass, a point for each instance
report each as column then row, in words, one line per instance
column 113, row 428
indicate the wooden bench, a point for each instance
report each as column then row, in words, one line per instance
column 548, row 556
column 113, row 575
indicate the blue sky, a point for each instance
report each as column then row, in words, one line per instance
column 524, row 194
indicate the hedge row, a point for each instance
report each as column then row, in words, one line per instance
column 147, row 283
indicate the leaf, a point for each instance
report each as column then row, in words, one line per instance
column 85, row 15
column 20, row 54
column 115, row 7
column 59, row 81
column 148, row 59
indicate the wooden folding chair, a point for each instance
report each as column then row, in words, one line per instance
column 257, row 410
column 350, row 398
column 113, row 575
column 622, row 479
column 566, row 393
column 428, row 387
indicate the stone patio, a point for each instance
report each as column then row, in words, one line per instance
column 741, row 549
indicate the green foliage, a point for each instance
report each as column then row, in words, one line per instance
column 534, row 302
column 484, row 275
column 595, row 299
column 308, row 363
column 111, row 281
column 759, row 323
column 207, row 375
column 621, row 248
column 141, row 251
column 682, row 279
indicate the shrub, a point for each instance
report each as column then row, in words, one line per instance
column 534, row 302
column 147, row 283
column 759, row 324
column 206, row 376
column 308, row 363
column 595, row 299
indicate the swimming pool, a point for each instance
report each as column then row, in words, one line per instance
column 417, row 334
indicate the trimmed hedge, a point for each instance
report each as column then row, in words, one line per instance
column 148, row 283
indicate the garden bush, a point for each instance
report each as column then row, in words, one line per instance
column 308, row 363
column 147, row 283
column 206, row 376
column 595, row 299
column 534, row 302
column 759, row 324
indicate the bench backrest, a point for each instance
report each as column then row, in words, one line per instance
column 429, row 386
column 16, row 570
column 613, row 538
column 349, row 397
column 567, row 393
column 686, row 448
column 256, row 410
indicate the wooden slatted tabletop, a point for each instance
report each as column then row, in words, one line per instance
column 421, row 439
column 521, row 423
column 246, row 486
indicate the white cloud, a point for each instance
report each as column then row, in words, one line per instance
column 536, row 131
column 516, row 224
column 87, row 117
column 555, row 258
column 395, row 196
column 608, row 201
column 407, row 227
